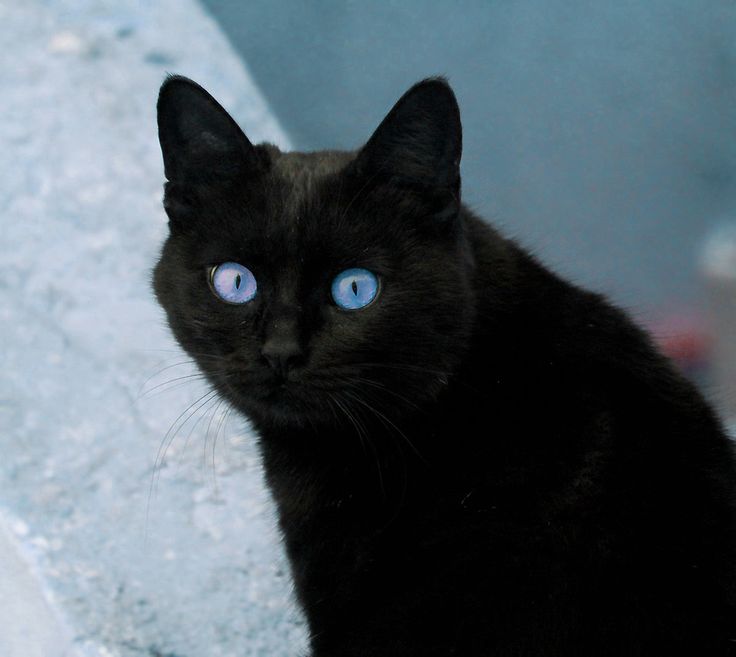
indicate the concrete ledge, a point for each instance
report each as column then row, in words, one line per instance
column 150, row 530
column 30, row 625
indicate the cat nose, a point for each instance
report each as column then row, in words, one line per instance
column 282, row 355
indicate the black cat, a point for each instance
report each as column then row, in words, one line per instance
column 469, row 455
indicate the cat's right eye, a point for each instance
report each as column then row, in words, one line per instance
column 233, row 283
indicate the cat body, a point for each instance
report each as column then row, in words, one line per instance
column 484, row 459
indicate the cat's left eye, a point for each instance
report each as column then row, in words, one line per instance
column 355, row 288
column 233, row 283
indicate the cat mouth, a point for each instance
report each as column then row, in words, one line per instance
column 272, row 390
column 292, row 400
column 284, row 402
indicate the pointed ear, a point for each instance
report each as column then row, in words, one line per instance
column 419, row 143
column 200, row 141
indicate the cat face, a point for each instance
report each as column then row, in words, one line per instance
column 306, row 282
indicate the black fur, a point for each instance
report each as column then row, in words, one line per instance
column 485, row 461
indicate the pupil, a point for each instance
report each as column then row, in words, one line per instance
column 355, row 288
column 237, row 281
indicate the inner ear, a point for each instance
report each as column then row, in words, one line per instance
column 199, row 140
column 419, row 143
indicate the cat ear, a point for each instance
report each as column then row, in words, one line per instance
column 200, row 141
column 419, row 143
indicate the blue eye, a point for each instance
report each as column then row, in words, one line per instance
column 354, row 288
column 233, row 282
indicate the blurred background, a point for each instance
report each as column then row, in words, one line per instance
column 602, row 135
column 133, row 517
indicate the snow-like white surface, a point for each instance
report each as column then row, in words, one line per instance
column 191, row 565
column 30, row 626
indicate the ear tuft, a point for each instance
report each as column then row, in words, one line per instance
column 200, row 141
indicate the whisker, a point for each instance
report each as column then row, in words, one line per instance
column 196, row 376
column 178, row 424
column 389, row 423
column 405, row 480
column 207, row 436
column 166, row 442
column 163, row 369
column 214, row 445
column 423, row 370
column 330, row 405
column 364, row 440
column 403, row 367
column 212, row 407
column 385, row 388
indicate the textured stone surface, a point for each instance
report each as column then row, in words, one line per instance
column 31, row 627
column 138, row 549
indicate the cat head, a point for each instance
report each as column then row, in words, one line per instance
column 307, row 284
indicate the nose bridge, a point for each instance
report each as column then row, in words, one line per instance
column 283, row 315
column 282, row 346
column 282, row 326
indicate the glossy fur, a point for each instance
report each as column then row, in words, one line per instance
column 485, row 461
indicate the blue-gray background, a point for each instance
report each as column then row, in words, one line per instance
column 602, row 134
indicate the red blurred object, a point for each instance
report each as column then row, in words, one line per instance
column 684, row 338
